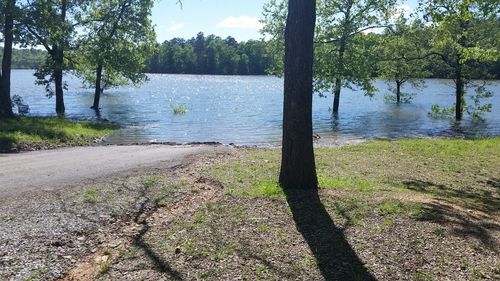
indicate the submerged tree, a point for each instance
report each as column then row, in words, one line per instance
column 7, row 16
column 53, row 25
column 466, row 32
column 401, row 50
column 298, row 169
column 344, row 55
column 119, row 38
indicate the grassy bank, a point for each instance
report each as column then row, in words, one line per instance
column 34, row 133
column 386, row 210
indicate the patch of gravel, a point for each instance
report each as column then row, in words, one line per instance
column 44, row 234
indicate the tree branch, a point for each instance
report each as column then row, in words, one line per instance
column 353, row 33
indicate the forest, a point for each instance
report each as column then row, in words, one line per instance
column 216, row 56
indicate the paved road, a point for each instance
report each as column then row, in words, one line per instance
column 56, row 168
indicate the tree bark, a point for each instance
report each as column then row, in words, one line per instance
column 336, row 96
column 98, row 88
column 298, row 169
column 460, row 89
column 58, row 79
column 58, row 56
column 398, row 91
column 5, row 100
column 59, row 67
column 338, row 81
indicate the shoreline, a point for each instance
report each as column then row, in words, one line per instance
column 319, row 142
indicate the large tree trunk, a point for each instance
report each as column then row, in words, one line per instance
column 98, row 88
column 5, row 101
column 58, row 79
column 298, row 169
column 460, row 89
column 59, row 67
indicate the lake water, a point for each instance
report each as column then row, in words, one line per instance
column 247, row 110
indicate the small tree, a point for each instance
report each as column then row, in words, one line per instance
column 298, row 169
column 343, row 56
column 119, row 39
column 464, row 33
column 53, row 25
column 402, row 60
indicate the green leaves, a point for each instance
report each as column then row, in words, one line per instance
column 119, row 36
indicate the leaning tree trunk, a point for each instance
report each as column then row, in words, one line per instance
column 460, row 89
column 98, row 88
column 5, row 101
column 298, row 169
column 338, row 81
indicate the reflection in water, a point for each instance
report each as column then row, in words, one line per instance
column 248, row 110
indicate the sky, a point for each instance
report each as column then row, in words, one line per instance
column 236, row 18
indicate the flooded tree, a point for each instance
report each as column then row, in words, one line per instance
column 466, row 31
column 401, row 59
column 117, row 42
column 53, row 25
column 344, row 56
column 8, row 38
column 298, row 169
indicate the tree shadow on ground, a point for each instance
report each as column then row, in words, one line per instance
column 480, row 199
column 461, row 223
column 159, row 263
column 495, row 183
column 335, row 258
column 467, row 211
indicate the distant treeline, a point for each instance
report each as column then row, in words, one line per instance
column 26, row 58
column 211, row 55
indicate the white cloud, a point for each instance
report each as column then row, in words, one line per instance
column 176, row 26
column 243, row 22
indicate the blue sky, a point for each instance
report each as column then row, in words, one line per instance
column 237, row 18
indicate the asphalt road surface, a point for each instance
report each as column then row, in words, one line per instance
column 52, row 169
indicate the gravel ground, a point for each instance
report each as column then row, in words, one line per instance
column 46, row 231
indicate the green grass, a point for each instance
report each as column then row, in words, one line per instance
column 23, row 133
column 462, row 170
column 396, row 207
column 382, row 196
column 91, row 196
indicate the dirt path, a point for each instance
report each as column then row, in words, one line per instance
column 50, row 170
